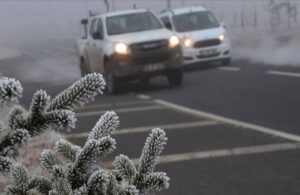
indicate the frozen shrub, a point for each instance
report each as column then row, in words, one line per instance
column 73, row 169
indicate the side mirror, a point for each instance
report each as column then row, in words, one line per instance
column 223, row 25
column 84, row 21
column 168, row 25
column 97, row 36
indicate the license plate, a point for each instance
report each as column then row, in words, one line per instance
column 153, row 67
column 208, row 52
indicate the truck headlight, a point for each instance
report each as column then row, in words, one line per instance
column 122, row 48
column 187, row 42
column 174, row 41
column 222, row 37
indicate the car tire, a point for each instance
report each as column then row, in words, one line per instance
column 112, row 83
column 226, row 62
column 175, row 77
column 83, row 68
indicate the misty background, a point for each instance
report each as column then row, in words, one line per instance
column 250, row 23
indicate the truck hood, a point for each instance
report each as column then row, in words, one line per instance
column 203, row 34
column 143, row 36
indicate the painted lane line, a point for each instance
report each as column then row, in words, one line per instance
column 143, row 97
column 31, row 56
column 236, row 69
column 121, row 110
column 228, row 152
column 111, row 105
column 280, row 73
column 148, row 129
column 234, row 122
column 250, row 150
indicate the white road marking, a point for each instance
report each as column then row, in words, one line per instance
column 148, row 129
column 111, row 105
column 280, row 73
column 143, row 97
column 234, row 122
column 31, row 56
column 121, row 110
column 236, row 69
column 173, row 158
column 228, row 152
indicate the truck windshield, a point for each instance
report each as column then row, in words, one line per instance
column 195, row 21
column 132, row 23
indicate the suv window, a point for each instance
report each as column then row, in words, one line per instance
column 167, row 22
column 92, row 27
column 195, row 21
column 128, row 23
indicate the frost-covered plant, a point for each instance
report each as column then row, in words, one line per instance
column 83, row 172
column 10, row 90
column 42, row 114
column 73, row 169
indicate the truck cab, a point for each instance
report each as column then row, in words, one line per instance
column 203, row 37
column 128, row 45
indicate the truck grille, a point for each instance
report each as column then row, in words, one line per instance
column 150, row 52
column 149, row 46
column 207, row 43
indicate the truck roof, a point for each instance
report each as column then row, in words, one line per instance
column 122, row 12
column 178, row 11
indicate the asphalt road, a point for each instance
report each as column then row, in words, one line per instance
column 232, row 130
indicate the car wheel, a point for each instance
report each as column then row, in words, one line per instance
column 226, row 62
column 175, row 77
column 112, row 83
column 83, row 68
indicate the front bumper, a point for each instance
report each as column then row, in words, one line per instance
column 146, row 65
column 192, row 55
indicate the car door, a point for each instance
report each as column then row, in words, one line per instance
column 98, row 47
column 90, row 45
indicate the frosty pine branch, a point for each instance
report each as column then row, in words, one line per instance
column 80, row 93
column 83, row 174
column 81, row 171
column 10, row 90
column 22, row 123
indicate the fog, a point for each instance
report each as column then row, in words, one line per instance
column 31, row 23
column 271, row 50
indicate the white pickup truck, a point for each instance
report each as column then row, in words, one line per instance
column 127, row 45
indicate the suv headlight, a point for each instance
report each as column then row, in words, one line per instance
column 222, row 37
column 174, row 41
column 122, row 48
column 187, row 42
